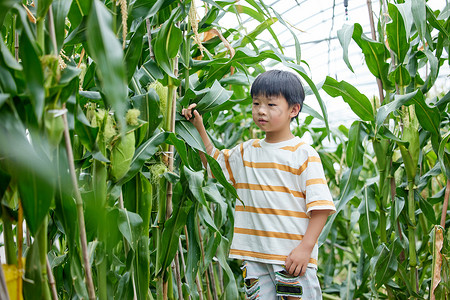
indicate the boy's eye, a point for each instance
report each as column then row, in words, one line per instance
column 272, row 104
column 255, row 103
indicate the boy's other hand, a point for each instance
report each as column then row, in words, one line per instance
column 297, row 261
column 192, row 115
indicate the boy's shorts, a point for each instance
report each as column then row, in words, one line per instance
column 272, row 282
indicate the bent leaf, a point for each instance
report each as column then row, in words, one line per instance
column 358, row 102
column 216, row 96
column 107, row 52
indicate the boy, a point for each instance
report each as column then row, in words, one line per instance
column 282, row 184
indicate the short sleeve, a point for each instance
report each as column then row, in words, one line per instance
column 314, row 185
column 229, row 161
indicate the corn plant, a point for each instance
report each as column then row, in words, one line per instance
column 95, row 158
column 391, row 227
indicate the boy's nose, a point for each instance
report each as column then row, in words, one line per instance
column 261, row 111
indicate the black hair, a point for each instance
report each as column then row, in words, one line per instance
column 277, row 82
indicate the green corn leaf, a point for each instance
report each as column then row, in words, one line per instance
column 406, row 12
column 216, row 96
column 205, row 216
column 396, row 34
column 7, row 83
column 125, row 288
column 174, row 225
column 212, row 194
column 60, row 9
column 257, row 31
column 437, row 23
column 375, row 54
column 78, row 34
column 397, row 208
column 216, row 170
column 444, row 156
column 230, row 286
column 194, row 253
column 345, row 36
column 146, row 9
column 189, row 134
column 310, row 111
column 400, row 76
column 211, row 248
column 441, row 104
column 65, row 207
column 106, row 51
column 142, row 154
column 130, row 225
column 32, row 71
column 348, row 289
column 86, row 133
column 8, row 58
column 180, row 146
column 349, row 180
column 167, row 44
column 388, row 108
column 358, row 102
column 33, row 172
column 148, row 73
column 34, row 283
column 427, row 208
column 141, row 268
column 195, row 180
column 368, row 220
column 429, row 117
column 418, row 8
column 5, row 6
column 298, row 50
column 133, row 51
column 434, row 70
column 384, row 264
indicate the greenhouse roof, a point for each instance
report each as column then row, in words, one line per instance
column 316, row 23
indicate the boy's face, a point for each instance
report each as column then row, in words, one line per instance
column 273, row 114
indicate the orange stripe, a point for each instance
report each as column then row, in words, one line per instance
column 314, row 159
column 315, row 181
column 305, row 164
column 271, row 234
column 292, row 148
column 271, row 211
column 264, row 255
column 268, row 165
column 258, row 255
column 319, row 203
column 259, row 187
column 242, row 151
column 227, row 164
column 256, row 144
column 216, row 154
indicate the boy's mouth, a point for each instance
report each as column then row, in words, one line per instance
column 262, row 121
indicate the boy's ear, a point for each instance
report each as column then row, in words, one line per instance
column 295, row 110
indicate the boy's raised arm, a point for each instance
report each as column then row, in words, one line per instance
column 197, row 120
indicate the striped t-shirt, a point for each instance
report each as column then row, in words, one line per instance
column 280, row 184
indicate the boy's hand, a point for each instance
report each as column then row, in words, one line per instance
column 188, row 112
column 297, row 261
